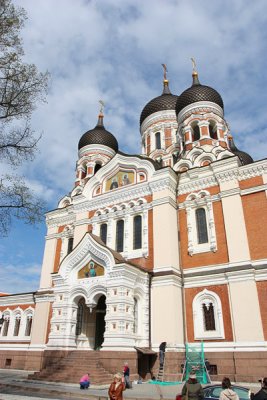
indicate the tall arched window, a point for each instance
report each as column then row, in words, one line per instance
column 196, row 132
column 120, row 235
column 158, row 140
column 80, row 317
column 17, row 325
column 70, row 245
column 137, row 232
column 103, row 233
column 212, row 130
column 5, row 326
column 97, row 167
column 209, row 319
column 135, row 324
column 28, row 328
column 208, row 316
column 202, row 231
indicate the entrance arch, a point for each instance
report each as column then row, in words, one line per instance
column 100, row 322
column 90, row 323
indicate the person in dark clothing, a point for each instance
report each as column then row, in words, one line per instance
column 262, row 394
column 162, row 348
column 192, row 390
column 207, row 364
column 126, row 374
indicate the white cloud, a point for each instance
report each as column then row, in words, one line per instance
column 112, row 50
column 20, row 278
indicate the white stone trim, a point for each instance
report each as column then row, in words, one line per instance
column 201, row 298
column 199, row 107
column 194, row 201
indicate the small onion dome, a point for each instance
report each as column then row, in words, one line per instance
column 166, row 101
column 99, row 135
column 245, row 158
column 198, row 92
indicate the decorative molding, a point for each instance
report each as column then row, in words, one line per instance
column 199, row 107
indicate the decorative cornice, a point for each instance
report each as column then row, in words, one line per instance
column 169, row 117
column 17, row 299
column 221, row 171
column 199, row 107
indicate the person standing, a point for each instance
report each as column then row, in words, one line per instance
column 116, row 388
column 162, row 348
column 227, row 393
column 262, row 394
column 126, row 374
column 192, row 390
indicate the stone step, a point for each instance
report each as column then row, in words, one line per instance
column 71, row 367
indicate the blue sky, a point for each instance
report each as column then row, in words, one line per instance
column 113, row 50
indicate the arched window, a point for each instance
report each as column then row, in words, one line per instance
column 28, row 327
column 196, row 132
column 213, row 130
column 70, row 245
column 97, row 167
column 208, row 317
column 84, row 171
column 158, row 140
column 80, row 317
column 5, row 326
column 135, row 324
column 202, row 231
column 103, row 233
column 120, row 235
column 17, row 325
column 137, row 232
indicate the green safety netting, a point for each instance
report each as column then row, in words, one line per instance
column 164, row 383
column 195, row 362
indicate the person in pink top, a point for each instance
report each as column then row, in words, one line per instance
column 85, row 381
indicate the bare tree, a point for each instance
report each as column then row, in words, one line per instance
column 22, row 86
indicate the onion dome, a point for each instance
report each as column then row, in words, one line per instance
column 99, row 135
column 167, row 101
column 197, row 92
column 245, row 158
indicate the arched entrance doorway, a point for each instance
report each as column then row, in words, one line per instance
column 90, row 325
column 100, row 323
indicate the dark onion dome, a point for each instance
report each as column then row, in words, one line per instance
column 99, row 135
column 166, row 101
column 198, row 92
column 245, row 158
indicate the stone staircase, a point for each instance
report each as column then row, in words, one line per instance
column 70, row 369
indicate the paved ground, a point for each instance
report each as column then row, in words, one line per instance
column 15, row 386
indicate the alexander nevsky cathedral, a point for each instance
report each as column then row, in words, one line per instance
column 165, row 246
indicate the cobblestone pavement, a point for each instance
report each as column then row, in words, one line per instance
column 15, row 386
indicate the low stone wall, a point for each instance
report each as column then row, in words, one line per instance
column 238, row 366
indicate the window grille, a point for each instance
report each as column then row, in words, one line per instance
column 158, row 140
column 70, row 245
column 137, row 233
column 135, row 325
column 202, row 231
column 79, row 318
column 120, row 235
column 209, row 320
column 103, row 233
